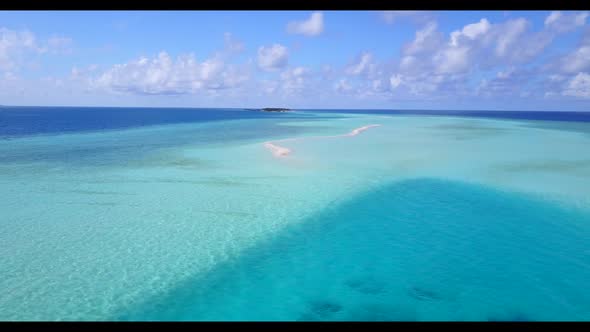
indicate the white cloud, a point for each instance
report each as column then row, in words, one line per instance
column 342, row 86
column 429, row 54
column 486, row 44
column 163, row 75
column 452, row 60
column 273, row 57
column 561, row 22
column 294, row 80
column 577, row 60
column 578, row 86
column 427, row 39
column 19, row 49
column 458, row 54
column 430, row 66
column 395, row 81
column 470, row 31
column 407, row 62
column 432, row 63
column 553, row 17
column 294, row 73
column 13, row 45
column 508, row 35
column 362, row 66
column 310, row 27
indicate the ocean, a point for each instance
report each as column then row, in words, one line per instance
column 164, row 214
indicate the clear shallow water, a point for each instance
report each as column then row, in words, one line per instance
column 419, row 249
column 423, row 218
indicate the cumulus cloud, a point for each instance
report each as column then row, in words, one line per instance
column 363, row 66
column 365, row 77
column 508, row 34
column 313, row 26
column 471, row 31
column 433, row 63
column 484, row 44
column 164, row 75
column 567, row 75
column 295, row 80
column 578, row 59
column 451, row 60
column 426, row 39
column 480, row 59
column 431, row 60
column 578, row 86
column 272, row 58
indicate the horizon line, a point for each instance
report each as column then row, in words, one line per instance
column 302, row 109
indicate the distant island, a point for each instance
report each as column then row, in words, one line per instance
column 270, row 109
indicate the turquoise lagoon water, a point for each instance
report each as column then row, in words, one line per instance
column 422, row 218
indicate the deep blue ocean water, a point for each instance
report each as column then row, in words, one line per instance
column 24, row 121
column 522, row 115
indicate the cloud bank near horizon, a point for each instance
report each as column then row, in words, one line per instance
column 484, row 60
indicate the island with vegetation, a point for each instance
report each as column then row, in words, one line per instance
column 270, row 109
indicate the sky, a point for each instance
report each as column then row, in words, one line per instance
column 451, row 60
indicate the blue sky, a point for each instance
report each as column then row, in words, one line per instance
column 537, row 60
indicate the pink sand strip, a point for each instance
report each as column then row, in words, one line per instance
column 279, row 151
column 361, row 129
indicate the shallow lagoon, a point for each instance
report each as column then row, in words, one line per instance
column 422, row 218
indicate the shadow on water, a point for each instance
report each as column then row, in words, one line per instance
column 467, row 130
column 579, row 168
column 419, row 249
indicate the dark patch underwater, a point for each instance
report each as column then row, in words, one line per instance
column 412, row 250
